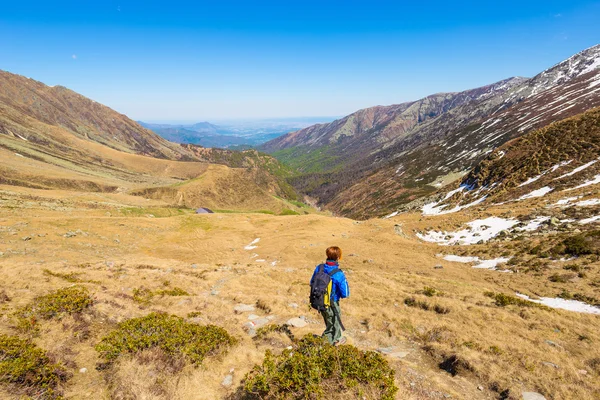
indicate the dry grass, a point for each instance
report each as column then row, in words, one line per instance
column 505, row 349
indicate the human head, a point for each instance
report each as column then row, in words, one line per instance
column 334, row 253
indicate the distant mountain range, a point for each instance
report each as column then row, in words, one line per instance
column 375, row 160
column 232, row 134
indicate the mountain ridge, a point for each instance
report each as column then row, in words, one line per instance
column 416, row 163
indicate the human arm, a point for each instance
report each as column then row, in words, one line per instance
column 343, row 288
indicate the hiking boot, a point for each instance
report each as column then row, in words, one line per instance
column 341, row 341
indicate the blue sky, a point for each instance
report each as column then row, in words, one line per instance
column 210, row 60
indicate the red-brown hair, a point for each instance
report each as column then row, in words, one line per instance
column 333, row 253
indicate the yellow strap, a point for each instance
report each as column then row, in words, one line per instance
column 327, row 299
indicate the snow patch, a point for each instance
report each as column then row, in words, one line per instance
column 483, row 264
column 478, row 230
column 391, row 215
column 566, row 200
column 569, row 305
column 536, row 193
column 589, row 220
column 251, row 245
column 593, row 181
column 578, row 169
column 588, row 203
column 533, row 225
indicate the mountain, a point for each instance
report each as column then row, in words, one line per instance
column 375, row 160
column 25, row 103
column 54, row 138
column 562, row 157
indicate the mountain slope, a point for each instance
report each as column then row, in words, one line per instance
column 23, row 99
column 564, row 156
column 53, row 138
column 373, row 173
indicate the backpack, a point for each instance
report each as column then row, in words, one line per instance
column 320, row 288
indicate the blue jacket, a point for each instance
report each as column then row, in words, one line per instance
column 340, row 288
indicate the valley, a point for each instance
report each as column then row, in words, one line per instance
column 469, row 224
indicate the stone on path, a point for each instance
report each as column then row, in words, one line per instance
column 227, row 381
column 297, row 322
column 251, row 326
column 532, row 396
column 240, row 308
column 393, row 352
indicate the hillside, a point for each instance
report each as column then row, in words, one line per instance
column 406, row 160
column 561, row 157
column 53, row 138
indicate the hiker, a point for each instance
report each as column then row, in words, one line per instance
column 328, row 285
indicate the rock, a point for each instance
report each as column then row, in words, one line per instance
column 582, row 372
column 293, row 305
column 252, row 317
column 549, row 364
column 26, row 238
column 194, row 266
column 296, row 322
column 553, row 344
column 117, row 241
column 70, row 234
column 240, row 308
column 393, row 352
column 480, row 388
column 438, row 267
column 398, row 230
column 214, row 292
column 251, row 326
column 83, row 370
column 532, row 396
column 554, row 221
column 227, row 381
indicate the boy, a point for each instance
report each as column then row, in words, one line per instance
column 339, row 290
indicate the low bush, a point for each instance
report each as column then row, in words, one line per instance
column 317, row 370
column 287, row 211
column 429, row 291
column 265, row 331
column 579, row 245
column 143, row 295
column 27, row 369
column 423, row 305
column 170, row 333
column 66, row 301
column 503, row 300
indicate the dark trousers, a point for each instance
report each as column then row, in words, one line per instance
column 333, row 328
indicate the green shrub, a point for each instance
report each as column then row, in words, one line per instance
column 429, row 291
column 26, row 368
column 170, row 333
column 560, row 278
column 317, row 370
column 287, row 211
column 503, row 300
column 70, row 277
column 262, row 333
column 574, row 246
column 194, row 314
column 66, row 301
column 142, row 295
column 172, row 292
